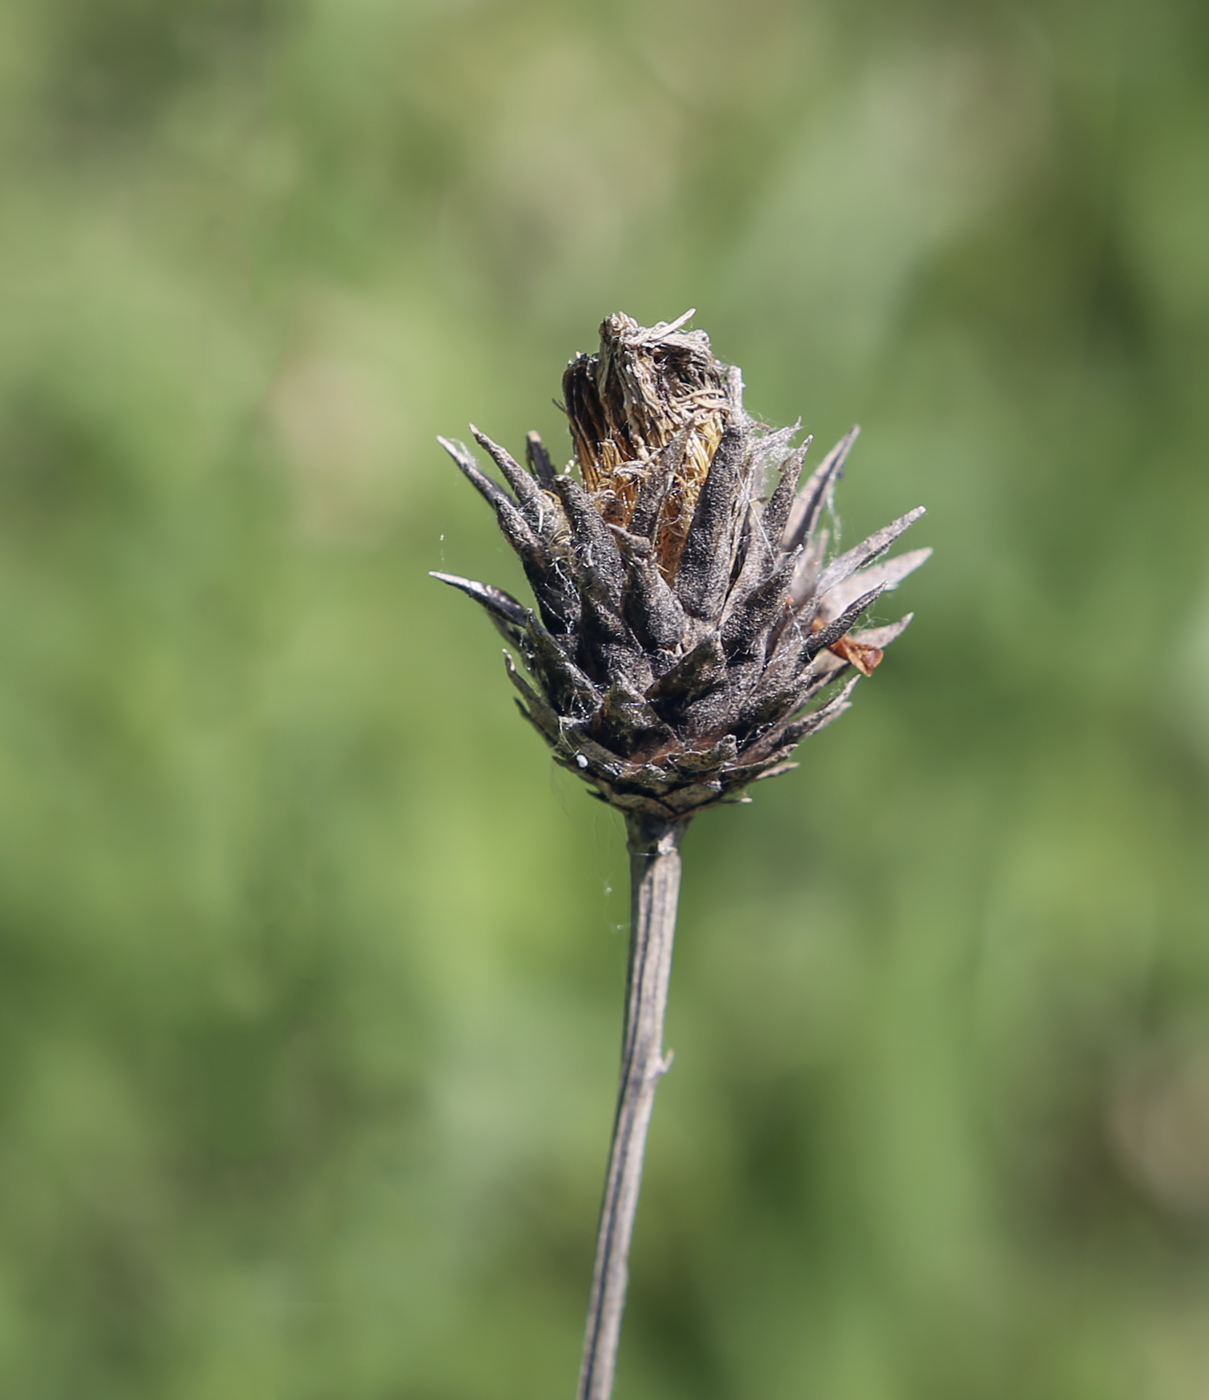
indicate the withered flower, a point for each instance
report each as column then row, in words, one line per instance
column 685, row 620
column 688, row 618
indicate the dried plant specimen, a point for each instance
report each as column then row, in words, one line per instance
column 690, row 630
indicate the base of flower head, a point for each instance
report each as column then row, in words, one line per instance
column 666, row 777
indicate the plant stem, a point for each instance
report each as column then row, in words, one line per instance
column 654, row 891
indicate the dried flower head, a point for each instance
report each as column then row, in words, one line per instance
column 685, row 620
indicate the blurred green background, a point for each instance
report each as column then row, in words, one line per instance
column 312, row 968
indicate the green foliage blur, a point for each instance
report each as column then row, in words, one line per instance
column 312, row 967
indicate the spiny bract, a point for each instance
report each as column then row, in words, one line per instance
column 683, row 624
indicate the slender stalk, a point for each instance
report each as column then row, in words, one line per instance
column 654, row 892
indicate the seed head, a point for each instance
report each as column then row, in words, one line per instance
column 689, row 628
